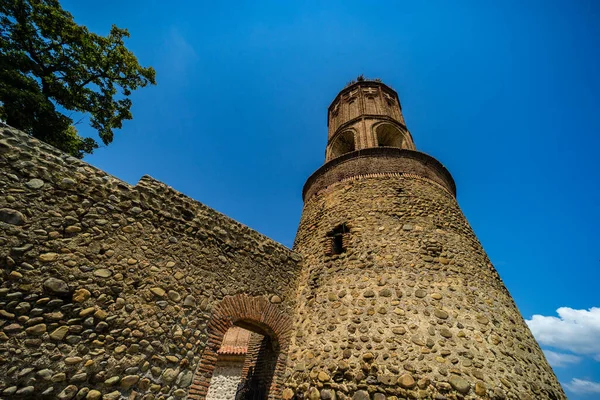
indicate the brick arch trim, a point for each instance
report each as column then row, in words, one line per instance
column 246, row 311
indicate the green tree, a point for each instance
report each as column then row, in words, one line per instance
column 48, row 62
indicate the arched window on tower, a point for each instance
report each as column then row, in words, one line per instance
column 389, row 135
column 343, row 144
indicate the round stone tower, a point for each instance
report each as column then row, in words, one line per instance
column 398, row 298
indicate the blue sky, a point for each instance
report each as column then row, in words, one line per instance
column 505, row 94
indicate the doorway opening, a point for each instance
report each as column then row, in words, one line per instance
column 252, row 323
column 245, row 365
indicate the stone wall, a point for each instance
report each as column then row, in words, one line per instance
column 226, row 378
column 107, row 288
column 412, row 309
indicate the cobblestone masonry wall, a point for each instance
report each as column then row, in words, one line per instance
column 106, row 288
column 412, row 309
column 225, row 380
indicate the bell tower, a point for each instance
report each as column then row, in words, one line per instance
column 366, row 114
column 397, row 298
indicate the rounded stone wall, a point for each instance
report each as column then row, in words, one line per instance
column 406, row 304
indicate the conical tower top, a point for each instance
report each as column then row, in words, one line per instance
column 366, row 114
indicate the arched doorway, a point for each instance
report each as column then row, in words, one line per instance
column 245, row 366
column 229, row 372
column 267, row 347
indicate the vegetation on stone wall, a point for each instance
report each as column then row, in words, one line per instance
column 49, row 63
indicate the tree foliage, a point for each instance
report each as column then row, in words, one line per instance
column 49, row 63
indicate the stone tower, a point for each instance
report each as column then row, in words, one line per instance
column 397, row 297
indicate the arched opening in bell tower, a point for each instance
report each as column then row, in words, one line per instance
column 343, row 144
column 389, row 135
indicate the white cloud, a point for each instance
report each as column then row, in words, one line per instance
column 581, row 386
column 560, row 359
column 573, row 330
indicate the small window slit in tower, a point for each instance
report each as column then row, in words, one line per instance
column 337, row 240
column 338, row 244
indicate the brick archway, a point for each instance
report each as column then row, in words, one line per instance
column 248, row 312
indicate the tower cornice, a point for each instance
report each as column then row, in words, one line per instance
column 378, row 161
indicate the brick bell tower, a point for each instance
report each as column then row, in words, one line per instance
column 398, row 298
